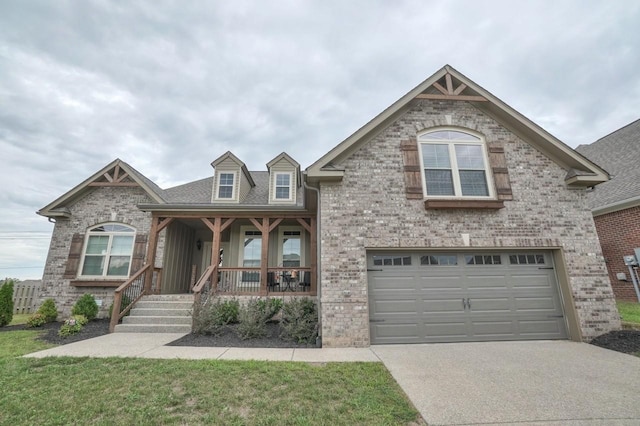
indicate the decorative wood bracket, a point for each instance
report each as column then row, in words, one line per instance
column 451, row 93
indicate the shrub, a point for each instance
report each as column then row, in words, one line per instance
column 270, row 307
column 6, row 303
column 252, row 321
column 72, row 325
column 300, row 320
column 36, row 320
column 48, row 310
column 86, row 306
column 210, row 317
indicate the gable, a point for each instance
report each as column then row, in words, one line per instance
column 449, row 85
column 115, row 174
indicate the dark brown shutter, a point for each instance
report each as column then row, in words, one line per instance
column 139, row 250
column 75, row 252
column 500, row 172
column 412, row 172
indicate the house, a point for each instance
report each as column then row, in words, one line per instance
column 616, row 203
column 448, row 217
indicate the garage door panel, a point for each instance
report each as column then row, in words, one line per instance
column 420, row 302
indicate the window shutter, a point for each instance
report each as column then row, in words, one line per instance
column 75, row 252
column 139, row 251
column 500, row 172
column 412, row 172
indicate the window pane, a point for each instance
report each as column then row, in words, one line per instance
column 122, row 245
column 469, row 157
column 118, row 265
column 282, row 193
column 449, row 135
column 97, row 244
column 112, row 227
column 439, row 182
column 473, row 182
column 282, row 179
column 436, row 156
column 93, row 265
column 226, row 179
column 225, row 192
column 291, row 252
column 252, row 251
column 540, row 259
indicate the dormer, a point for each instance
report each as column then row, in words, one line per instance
column 231, row 181
column 284, row 179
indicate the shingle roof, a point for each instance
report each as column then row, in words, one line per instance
column 199, row 192
column 619, row 154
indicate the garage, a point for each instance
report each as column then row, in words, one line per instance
column 428, row 297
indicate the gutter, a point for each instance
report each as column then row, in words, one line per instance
column 208, row 208
column 318, row 255
column 618, row 205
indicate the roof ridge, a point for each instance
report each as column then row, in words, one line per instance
column 611, row 133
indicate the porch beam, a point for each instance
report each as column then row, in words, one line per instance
column 165, row 222
column 304, row 224
column 151, row 254
column 256, row 224
column 210, row 225
column 275, row 224
column 227, row 223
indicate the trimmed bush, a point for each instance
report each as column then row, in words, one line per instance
column 86, row 306
column 270, row 307
column 6, row 303
column 212, row 316
column 300, row 320
column 36, row 320
column 254, row 317
column 72, row 325
column 48, row 310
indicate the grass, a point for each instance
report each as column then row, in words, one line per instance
column 19, row 319
column 629, row 311
column 60, row 391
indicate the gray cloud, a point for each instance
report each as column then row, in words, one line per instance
column 169, row 86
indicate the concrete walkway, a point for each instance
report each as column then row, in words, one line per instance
column 498, row 383
column 152, row 345
column 522, row 383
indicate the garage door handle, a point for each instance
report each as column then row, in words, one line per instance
column 377, row 320
column 545, row 267
column 374, row 270
column 555, row 316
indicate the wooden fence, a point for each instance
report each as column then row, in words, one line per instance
column 25, row 296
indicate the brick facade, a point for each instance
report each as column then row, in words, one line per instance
column 100, row 205
column 619, row 234
column 369, row 209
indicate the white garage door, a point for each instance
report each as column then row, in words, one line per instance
column 421, row 297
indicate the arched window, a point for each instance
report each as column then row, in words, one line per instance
column 454, row 164
column 108, row 250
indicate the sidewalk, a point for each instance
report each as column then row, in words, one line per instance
column 152, row 345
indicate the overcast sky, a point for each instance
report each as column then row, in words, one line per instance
column 170, row 86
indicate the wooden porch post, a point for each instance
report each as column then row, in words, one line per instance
column 264, row 259
column 215, row 251
column 314, row 255
column 151, row 254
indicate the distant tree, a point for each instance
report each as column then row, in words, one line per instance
column 6, row 302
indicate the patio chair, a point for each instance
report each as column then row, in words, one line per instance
column 306, row 280
column 272, row 283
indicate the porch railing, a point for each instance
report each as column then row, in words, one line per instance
column 202, row 288
column 128, row 295
column 247, row 281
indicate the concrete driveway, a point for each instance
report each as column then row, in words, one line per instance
column 536, row 383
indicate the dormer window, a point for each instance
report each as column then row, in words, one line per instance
column 283, row 186
column 226, row 185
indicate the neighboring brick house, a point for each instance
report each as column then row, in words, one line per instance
column 448, row 217
column 616, row 204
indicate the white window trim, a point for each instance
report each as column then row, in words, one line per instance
column 107, row 256
column 454, row 163
column 234, row 192
column 281, row 231
column 292, row 185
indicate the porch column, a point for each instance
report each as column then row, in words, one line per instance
column 151, row 253
column 215, row 252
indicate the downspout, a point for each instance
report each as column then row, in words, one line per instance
column 318, row 254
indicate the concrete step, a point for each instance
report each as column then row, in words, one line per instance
column 169, row 297
column 139, row 319
column 160, row 312
column 163, row 304
column 153, row 328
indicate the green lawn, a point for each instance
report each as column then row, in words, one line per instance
column 629, row 311
column 61, row 391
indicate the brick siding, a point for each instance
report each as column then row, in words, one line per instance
column 369, row 209
column 619, row 234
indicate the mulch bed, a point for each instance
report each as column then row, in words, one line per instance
column 95, row 328
column 229, row 338
column 626, row 341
